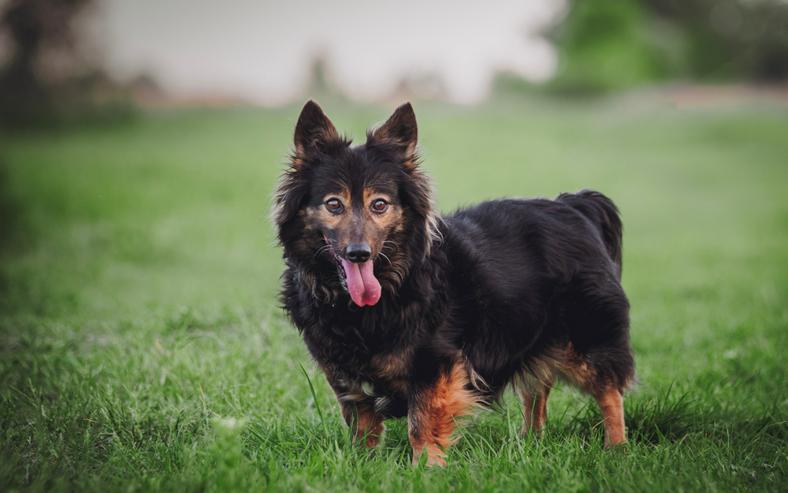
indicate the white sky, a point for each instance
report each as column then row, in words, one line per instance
column 261, row 50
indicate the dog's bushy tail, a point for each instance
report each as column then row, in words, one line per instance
column 603, row 213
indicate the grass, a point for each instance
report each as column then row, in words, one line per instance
column 141, row 346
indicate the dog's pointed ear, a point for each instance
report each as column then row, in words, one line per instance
column 400, row 129
column 313, row 128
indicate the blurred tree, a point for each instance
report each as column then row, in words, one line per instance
column 608, row 45
column 46, row 75
column 614, row 44
column 731, row 38
column 33, row 26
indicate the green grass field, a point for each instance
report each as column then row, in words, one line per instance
column 142, row 348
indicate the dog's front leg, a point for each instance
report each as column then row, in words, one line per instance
column 366, row 424
column 432, row 410
column 358, row 408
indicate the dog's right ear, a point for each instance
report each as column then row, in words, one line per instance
column 313, row 129
column 400, row 129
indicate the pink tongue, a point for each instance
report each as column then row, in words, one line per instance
column 362, row 285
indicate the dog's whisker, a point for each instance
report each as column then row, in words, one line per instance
column 321, row 250
column 391, row 244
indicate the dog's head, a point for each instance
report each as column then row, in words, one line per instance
column 362, row 212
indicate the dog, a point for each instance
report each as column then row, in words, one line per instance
column 412, row 314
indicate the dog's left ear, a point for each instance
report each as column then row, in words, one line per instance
column 313, row 129
column 400, row 129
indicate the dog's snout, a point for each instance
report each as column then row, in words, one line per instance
column 358, row 252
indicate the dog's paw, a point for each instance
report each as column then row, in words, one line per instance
column 429, row 457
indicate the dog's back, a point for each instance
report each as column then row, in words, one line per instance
column 530, row 277
column 603, row 214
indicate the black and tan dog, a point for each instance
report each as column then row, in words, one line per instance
column 410, row 313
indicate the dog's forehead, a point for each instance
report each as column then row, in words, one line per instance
column 381, row 175
column 355, row 172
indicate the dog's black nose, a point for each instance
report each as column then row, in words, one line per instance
column 358, row 252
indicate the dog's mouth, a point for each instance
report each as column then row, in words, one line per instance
column 358, row 279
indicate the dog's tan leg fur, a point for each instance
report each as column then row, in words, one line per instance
column 366, row 424
column 432, row 417
column 534, row 408
column 611, row 403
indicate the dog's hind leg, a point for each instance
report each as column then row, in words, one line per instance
column 599, row 359
column 533, row 394
column 611, row 403
column 604, row 374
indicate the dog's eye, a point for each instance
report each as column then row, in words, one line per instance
column 334, row 206
column 379, row 206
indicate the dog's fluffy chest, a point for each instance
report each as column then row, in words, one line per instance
column 378, row 356
column 369, row 356
column 393, row 369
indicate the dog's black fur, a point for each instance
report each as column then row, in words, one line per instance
column 504, row 289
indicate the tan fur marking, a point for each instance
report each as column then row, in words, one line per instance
column 399, row 384
column 297, row 160
column 541, row 370
column 370, row 194
column 432, row 422
column 392, row 365
column 353, row 226
column 393, row 368
column 343, row 195
column 384, row 222
column 611, row 403
column 576, row 370
column 368, row 426
column 534, row 395
column 319, row 213
column 412, row 162
column 534, row 383
column 564, row 362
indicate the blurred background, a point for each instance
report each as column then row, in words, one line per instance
column 150, row 129
column 140, row 142
column 67, row 59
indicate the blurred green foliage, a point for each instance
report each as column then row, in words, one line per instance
column 606, row 45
